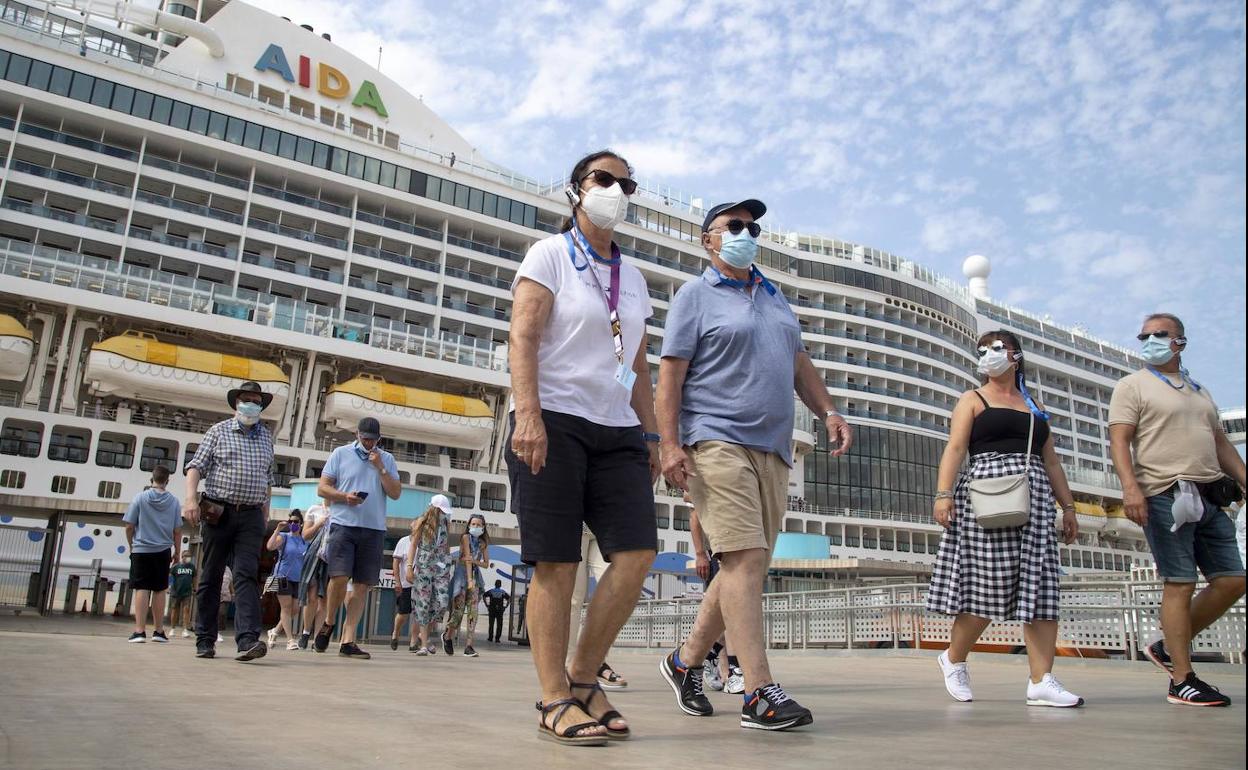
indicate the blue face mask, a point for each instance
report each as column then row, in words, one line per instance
column 361, row 452
column 738, row 250
column 1156, row 351
column 248, row 413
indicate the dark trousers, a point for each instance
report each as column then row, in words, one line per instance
column 496, row 625
column 235, row 540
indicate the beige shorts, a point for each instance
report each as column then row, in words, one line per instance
column 739, row 494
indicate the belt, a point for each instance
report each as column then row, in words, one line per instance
column 243, row 507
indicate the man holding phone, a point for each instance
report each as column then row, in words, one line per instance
column 356, row 481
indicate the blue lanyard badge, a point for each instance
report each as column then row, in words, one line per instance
column 1184, row 379
column 756, row 278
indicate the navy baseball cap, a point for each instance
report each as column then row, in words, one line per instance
column 756, row 208
column 369, row 428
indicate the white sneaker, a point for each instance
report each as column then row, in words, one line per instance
column 711, row 677
column 272, row 638
column 1050, row 692
column 957, row 678
column 292, row 645
column 736, row 681
column 185, row 633
column 220, row 638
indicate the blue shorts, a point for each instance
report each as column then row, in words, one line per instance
column 1208, row 545
column 356, row 552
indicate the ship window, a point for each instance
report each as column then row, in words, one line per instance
column 433, row 186
column 102, row 96
column 18, row 69
column 123, row 98
column 179, row 116
column 235, row 128
column 402, row 178
column 661, row 520
column 69, row 444
column 447, row 193
column 64, row 485
column 269, row 143
column 475, row 197
column 157, row 452
column 162, row 109
column 142, row 106
column 61, row 81
column 116, row 450
column 109, row 490
column 355, row 165
column 22, row 439
column 418, row 183
column 503, row 210
column 216, row 125
column 461, row 196
column 386, row 178
column 338, row 160
column 286, row 146
column 188, row 455
column 12, row 479
column 517, row 213
column 320, row 155
column 285, row 469
column 80, row 88
column 251, row 135
column 681, row 523
column 40, row 75
column 489, row 204
column 303, row 150
column 372, row 170
column 530, row 216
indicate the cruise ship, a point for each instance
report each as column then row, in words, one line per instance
column 206, row 193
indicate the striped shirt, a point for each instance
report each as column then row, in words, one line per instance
column 236, row 462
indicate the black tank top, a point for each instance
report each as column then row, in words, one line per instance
column 1002, row 429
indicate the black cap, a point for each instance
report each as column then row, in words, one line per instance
column 231, row 398
column 369, row 428
column 756, row 208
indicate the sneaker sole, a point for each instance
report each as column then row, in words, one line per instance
column 611, row 685
column 801, row 721
column 1158, row 662
column 1182, row 702
column 137, row 641
column 676, row 689
column 1053, row 704
column 254, row 653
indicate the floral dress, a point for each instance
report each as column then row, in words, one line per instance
column 431, row 580
column 466, row 598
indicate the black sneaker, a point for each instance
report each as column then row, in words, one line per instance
column 253, row 651
column 769, row 708
column 138, row 637
column 1193, row 692
column 322, row 638
column 687, row 684
column 159, row 637
column 352, row 650
column 469, row 652
column 448, row 645
column 303, row 640
column 205, row 650
column 394, row 644
column 1156, row 652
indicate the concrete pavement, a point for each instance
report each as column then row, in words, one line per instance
column 70, row 700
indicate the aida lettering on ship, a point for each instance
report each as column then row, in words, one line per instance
column 330, row 82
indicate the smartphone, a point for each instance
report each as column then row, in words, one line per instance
column 362, row 495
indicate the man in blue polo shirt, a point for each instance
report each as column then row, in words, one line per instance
column 356, row 481
column 732, row 359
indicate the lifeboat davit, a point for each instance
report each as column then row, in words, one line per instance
column 136, row 365
column 410, row 414
column 16, row 345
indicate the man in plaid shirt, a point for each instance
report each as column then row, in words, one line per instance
column 235, row 461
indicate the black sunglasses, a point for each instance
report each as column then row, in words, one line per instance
column 606, row 179
column 997, row 345
column 735, row 226
column 1161, row 335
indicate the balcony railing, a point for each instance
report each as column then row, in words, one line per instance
column 487, row 280
column 78, row 141
column 197, row 172
column 69, row 217
column 320, row 273
column 302, row 200
column 225, row 252
column 297, row 233
column 190, row 208
column 398, row 259
column 481, row 310
column 395, row 224
column 77, row 180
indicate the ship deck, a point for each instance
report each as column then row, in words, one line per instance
column 77, row 696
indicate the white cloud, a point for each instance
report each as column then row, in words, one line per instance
column 1043, row 203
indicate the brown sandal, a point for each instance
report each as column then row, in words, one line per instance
column 605, row 719
column 569, row 734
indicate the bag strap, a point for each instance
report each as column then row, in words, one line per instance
column 1031, row 430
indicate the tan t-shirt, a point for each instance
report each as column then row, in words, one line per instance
column 1174, row 430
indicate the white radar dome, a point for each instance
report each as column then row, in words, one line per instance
column 977, row 268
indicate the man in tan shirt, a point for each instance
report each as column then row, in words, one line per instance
column 1172, row 425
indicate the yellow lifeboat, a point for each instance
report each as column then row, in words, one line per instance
column 410, row 414
column 1118, row 525
column 136, row 365
column 16, row 346
column 1091, row 517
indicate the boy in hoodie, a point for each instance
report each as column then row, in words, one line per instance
column 154, row 532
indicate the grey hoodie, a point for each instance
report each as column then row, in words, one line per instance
column 155, row 514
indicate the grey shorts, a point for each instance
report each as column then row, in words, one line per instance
column 356, row 552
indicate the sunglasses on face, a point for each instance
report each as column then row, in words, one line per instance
column 997, row 346
column 1161, row 335
column 735, row 226
column 606, row 179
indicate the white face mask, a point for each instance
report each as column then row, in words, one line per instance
column 606, row 207
column 476, row 531
column 994, row 363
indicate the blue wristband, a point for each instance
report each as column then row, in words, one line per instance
column 651, row 437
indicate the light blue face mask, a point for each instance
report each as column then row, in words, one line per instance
column 1156, row 351
column 738, row 250
column 248, row 413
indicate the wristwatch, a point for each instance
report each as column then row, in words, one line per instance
column 831, row 413
column 651, row 438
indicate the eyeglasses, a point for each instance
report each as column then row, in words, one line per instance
column 735, row 226
column 1161, row 334
column 606, row 179
column 997, row 346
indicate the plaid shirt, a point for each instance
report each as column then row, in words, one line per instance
column 236, row 462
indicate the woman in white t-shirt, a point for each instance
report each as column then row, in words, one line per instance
column 312, row 588
column 583, row 447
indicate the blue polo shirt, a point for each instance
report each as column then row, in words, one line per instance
column 741, row 347
column 349, row 473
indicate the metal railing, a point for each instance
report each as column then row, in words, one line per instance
column 1118, row 618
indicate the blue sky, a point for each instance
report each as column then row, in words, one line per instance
column 1095, row 152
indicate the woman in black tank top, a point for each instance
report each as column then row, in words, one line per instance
column 981, row 574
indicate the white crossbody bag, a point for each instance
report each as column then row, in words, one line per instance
column 1004, row 501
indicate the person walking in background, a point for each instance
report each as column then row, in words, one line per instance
column 428, row 570
column 496, row 602
column 291, row 548
column 235, row 461
column 182, row 576
column 583, row 448
column 356, row 481
column 154, row 534
column 315, row 576
column 226, row 603
column 732, row 358
column 982, row 573
column 466, row 585
column 725, row 675
column 591, row 567
column 403, row 551
column 1178, row 470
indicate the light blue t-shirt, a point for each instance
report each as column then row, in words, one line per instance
column 155, row 514
column 350, row 473
column 741, row 348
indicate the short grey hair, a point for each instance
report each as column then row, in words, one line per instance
column 1169, row 317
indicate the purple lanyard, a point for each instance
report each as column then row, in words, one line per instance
column 612, row 297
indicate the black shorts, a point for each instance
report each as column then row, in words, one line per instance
column 356, row 552
column 150, row 571
column 287, row 587
column 402, row 600
column 594, row 475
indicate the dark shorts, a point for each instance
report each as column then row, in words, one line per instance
column 714, row 570
column 1208, row 545
column 287, row 587
column 150, row 571
column 402, row 600
column 356, row 552
column 594, row 475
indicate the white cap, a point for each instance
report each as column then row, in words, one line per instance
column 443, row 502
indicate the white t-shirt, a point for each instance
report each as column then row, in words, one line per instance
column 576, row 361
column 400, row 552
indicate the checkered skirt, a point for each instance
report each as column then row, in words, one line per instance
column 1002, row 574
